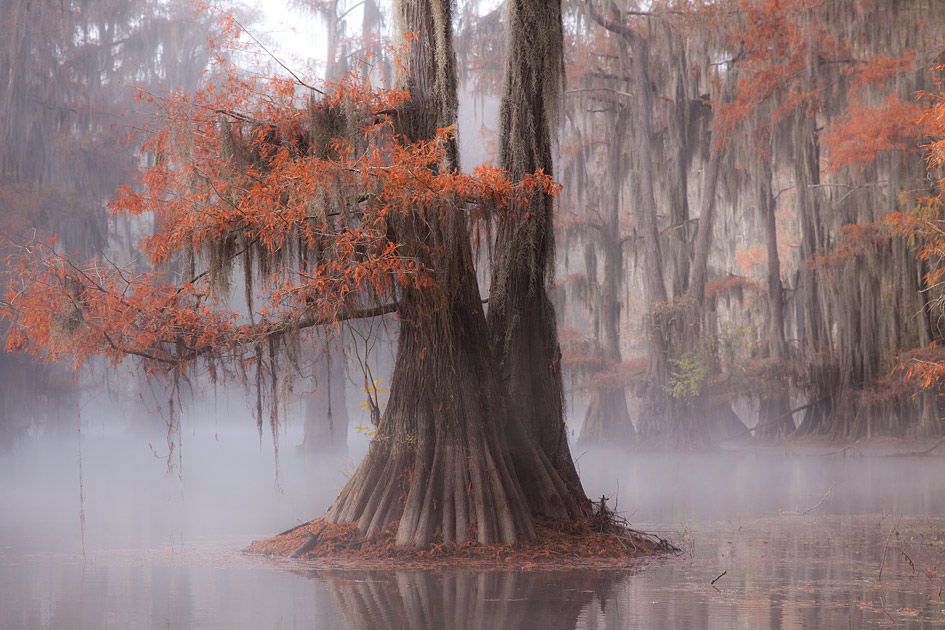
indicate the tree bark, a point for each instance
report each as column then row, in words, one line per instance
column 522, row 319
column 776, row 402
column 698, row 272
column 448, row 458
column 656, row 422
column 607, row 419
column 767, row 207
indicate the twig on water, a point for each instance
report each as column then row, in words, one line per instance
column 844, row 450
column 882, row 562
column 882, row 604
column 718, row 577
column 925, row 451
column 906, row 556
column 817, row 505
column 822, row 499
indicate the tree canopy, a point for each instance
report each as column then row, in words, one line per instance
column 330, row 202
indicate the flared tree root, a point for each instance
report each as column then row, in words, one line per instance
column 602, row 540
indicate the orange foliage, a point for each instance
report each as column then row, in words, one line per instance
column 922, row 225
column 877, row 70
column 21, row 207
column 237, row 175
column 924, row 367
column 756, row 255
column 732, row 284
column 777, row 40
column 864, row 132
column 855, row 239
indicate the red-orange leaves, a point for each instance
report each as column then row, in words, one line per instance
column 62, row 309
column 855, row 239
column 922, row 226
column 863, row 132
column 331, row 213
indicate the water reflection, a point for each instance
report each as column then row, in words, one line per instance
column 163, row 551
column 552, row 600
column 785, row 572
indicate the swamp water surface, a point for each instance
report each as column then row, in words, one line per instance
column 162, row 551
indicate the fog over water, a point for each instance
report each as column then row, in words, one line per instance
column 104, row 525
column 162, row 550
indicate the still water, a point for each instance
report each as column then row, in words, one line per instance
column 162, row 551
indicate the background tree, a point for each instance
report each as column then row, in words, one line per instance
column 669, row 113
column 349, row 207
column 595, row 170
column 920, row 223
column 66, row 110
column 758, row 138
column 805, row 95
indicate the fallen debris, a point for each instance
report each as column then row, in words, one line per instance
column 604, row 539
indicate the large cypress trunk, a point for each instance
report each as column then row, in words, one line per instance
column 437, row 462
column 441, row 464
column 448, row 454
column 521, row 316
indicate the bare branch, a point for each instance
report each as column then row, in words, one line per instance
column 277, row 60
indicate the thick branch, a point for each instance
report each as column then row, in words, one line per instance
column 615, row 27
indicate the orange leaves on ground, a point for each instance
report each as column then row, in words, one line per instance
column 556, row 544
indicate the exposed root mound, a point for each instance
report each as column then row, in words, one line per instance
column 602, row 540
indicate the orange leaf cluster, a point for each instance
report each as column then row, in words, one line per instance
column 877, row 70
column 336, row 211
column 777, row 40
column 865, row 132
column 855, row 239
column 736, row 285
column 924, row 367
column 62, row 310
column 754, row 256
column 923, row 225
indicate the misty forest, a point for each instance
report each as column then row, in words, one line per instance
column 523, row 314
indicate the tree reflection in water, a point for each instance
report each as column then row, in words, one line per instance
column 464, row 601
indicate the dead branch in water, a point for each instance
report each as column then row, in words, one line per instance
column 811, row 509
column 882, row 563
column 882, row 605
